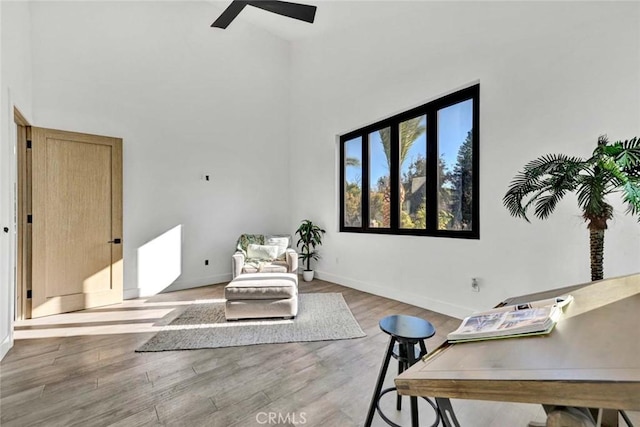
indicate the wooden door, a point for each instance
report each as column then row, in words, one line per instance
column 76, row 221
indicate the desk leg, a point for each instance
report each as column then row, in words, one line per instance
column 609, row 417
column 447, row 415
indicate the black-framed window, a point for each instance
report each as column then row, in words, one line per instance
column 415, row 173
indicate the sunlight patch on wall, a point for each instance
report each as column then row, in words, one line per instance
column 160, row 262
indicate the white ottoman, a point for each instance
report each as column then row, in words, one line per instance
column 261, row 295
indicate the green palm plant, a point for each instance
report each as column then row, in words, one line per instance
column 310, row 237
column 352, row 161
column 612, row 168
column 410, row 131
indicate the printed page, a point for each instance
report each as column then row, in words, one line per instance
column 560, row 301
column 480, row 323
column 506, row 323
column 531, row 319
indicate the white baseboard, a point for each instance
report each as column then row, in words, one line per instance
column 6, row 345
column 402, row 296
column 180, row 285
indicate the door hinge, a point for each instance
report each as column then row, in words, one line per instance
column 28, row 144
column 29, row 219
column 28, row 293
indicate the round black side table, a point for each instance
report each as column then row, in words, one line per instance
column 405, row 333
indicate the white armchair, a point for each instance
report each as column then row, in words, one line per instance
column 259, row 253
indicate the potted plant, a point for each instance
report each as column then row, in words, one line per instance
column 612, row 168
column 310, row 237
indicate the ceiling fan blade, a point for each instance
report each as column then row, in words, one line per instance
column 298, row 11
column 229, row 14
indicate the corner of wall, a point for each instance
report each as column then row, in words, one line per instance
column 5, row 346
column 411, row 298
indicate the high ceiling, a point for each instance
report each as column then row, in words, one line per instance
column 331, row 15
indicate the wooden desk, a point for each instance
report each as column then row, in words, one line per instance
column 591, row 359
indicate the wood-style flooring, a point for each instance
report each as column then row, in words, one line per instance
column 81, row 369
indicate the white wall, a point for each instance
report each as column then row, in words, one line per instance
column 553, row 77
column 190, row 100
column 15, row 90
column 187, row 100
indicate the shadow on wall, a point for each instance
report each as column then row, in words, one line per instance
column 160, row 262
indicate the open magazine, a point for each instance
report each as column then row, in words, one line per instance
column 533, row 318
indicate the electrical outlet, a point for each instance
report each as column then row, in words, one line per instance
column 475, row 287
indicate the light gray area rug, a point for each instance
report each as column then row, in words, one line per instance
column 321, row 317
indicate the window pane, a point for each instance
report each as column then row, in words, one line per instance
column 431, row 151
column 379, row 189
column 455, row 172
column 413, row 173
column 353, row 183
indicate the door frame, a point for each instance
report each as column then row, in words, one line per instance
column 23, row 196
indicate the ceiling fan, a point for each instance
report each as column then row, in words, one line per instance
column 299, row 11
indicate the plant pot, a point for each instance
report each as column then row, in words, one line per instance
column 307, row 275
